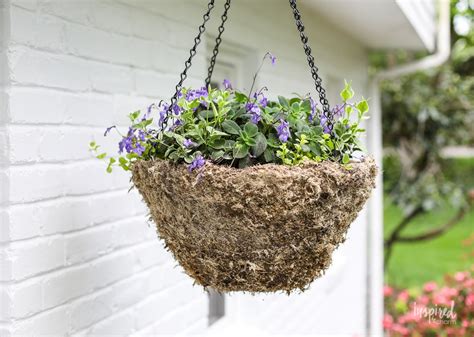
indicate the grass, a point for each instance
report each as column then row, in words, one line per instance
column 413, row 264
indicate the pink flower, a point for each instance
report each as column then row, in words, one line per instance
column 470, row 300
column 403, row 296
column 430, row 286
column 387, row 291
column 387, row 321
column 460, row 276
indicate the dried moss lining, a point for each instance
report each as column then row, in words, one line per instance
column 260, row 229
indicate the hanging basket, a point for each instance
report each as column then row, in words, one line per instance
column 260, row 229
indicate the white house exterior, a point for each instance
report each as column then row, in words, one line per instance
column 77, row 255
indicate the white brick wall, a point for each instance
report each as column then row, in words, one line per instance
column 78, row 256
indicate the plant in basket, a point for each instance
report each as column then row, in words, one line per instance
column 248, row 193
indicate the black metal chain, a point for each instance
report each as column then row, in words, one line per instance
column 314, row 69
column 218, row 42
column 187, row 64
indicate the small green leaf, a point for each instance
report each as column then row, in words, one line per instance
column 347, row 93
column 269, row 155
column 251, row 129
column 283, row 102
column 363, row 106
column 240, row 150
column 345, row 158
column 231, row 127
column 206, row 114
column 102, row 156
column 260, row 144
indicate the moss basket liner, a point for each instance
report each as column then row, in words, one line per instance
column 260, row 229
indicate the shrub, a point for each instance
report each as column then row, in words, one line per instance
column 436, row 310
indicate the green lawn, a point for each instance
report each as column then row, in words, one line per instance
column 413, row 264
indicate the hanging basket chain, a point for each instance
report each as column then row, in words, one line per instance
column 218, row 42
column 187, row 64
column 314, row 69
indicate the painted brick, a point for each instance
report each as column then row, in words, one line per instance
column 36, row 256
column 37, row 105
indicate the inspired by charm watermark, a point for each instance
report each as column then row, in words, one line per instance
column 436, row 314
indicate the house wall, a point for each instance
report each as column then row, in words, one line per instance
column 78, row 256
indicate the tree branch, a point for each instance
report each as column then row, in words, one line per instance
column 431, row 234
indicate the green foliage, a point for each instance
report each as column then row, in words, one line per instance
column 229, row 128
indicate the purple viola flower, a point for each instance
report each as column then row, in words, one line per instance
column 338, row 110
column 272, row 58
column 227, row 84
column 324, row 123
column 163, row 113
column 283, row 130
column 176, row 109
column 197, row 163
column 108, row 130
column 191, row 95
column 313, row 110
column 255, row 112
column 132, row 142
column 263, row 101
column 187, row 143
column 138, row 149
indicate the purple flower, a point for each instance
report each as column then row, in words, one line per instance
column 191, row 95
column 108, row 130
column 176, row 109
column 272, row 58
column 187, row 143
column 227, row 84
column 163, row 113
column 132, row 142
column 313, row 110
column 283, row 130
column 338, row 110
column 323, row 121
column 255, row 112
column 198, row 162
column 263, row 100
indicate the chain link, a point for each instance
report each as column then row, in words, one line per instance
column 314, row 69
column 218, row 42
column 187, row 64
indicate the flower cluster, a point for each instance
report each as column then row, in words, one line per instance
column 436, row 310
column 228, row 127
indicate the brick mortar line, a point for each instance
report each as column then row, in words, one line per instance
column 71, row 233
column 74, row 300
column 78, row 265
column 84, row 330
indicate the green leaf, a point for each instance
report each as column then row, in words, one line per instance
column 347, row 93
column 239, row 97
column 269, row 155
column 231, row 127
column 218, row 143
column 260, row 144
column 217, row 154
column 240, row 150
column 283, row 102
column 345, row 158
column 245, row 162
column 206, row 114
column 102, row 156
column 363, row 106
column 251, row 129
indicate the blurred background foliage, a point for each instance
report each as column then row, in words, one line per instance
column 427, row 212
